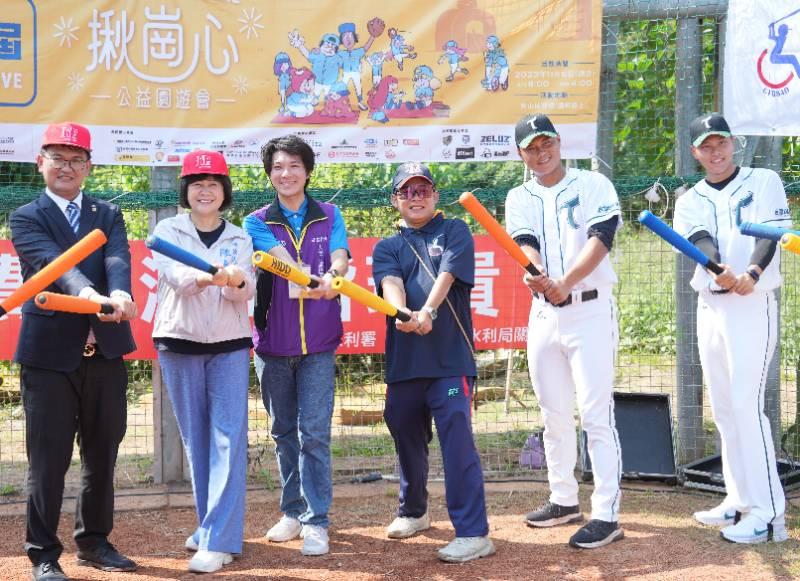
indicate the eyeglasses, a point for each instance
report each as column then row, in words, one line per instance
column 61, row 163
column 418, row 192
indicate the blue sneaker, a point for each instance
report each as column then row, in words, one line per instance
column 596, row 533
column 551, row 514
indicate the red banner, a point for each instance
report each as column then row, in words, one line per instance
column 500, row 301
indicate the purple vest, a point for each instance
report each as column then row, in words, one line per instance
column 300, row 326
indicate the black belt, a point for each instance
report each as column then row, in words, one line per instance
column 722, row 291
column 589, row 295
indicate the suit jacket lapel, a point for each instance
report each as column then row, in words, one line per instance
column 89, row 209
column 57, row 218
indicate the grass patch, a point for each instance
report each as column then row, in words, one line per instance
column 362, row 446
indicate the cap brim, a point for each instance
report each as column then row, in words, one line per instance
column 527, row 140
column 66, row 145
column 401, row 184
column 703, row 136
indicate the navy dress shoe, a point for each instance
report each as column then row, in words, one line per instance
column 48, row 571
column 106, row 558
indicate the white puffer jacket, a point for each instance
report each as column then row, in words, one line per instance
column 205, row 315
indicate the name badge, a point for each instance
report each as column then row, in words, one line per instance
column 297, row 291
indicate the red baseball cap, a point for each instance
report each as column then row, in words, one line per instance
column 68, row 133
column 201, row 161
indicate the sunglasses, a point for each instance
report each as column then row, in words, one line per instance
column 417, row 192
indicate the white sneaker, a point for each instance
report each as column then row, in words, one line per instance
column 403, row 527
column 751, row 530
column 406, row 526
column 286, row 529
column 315, row 540
column 190, row 544
column 209, row 561
column 463, row 549
column 719, row 516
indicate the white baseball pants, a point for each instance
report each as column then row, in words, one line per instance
column 571, row 351
column 736, row 338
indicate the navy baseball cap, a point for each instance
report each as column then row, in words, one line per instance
column 408, row 170
column 532, row 126
column 707, row 125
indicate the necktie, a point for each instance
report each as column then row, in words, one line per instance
column 73, row 216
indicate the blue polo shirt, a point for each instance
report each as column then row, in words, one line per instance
column 445, row 245
column 264, row 239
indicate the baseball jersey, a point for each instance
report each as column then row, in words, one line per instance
column 560, row 217
column 325, row 67
column 351, row 59
column 756, row 195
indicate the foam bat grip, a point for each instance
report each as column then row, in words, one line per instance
column 70, row 304
column 71, row 257
column 677, row 241
column 496, row 231
column 791, row 242
column 368, row 299
column 237, row 281
column 265, row 261
column 764, row 231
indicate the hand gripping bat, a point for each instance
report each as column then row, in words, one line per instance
column 178, row 254
column 50, row 273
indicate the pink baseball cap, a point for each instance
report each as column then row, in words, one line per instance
column 68, row 133
column 201, row 161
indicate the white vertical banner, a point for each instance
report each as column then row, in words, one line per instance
column 762, row 67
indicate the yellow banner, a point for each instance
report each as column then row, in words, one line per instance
column 421, row 80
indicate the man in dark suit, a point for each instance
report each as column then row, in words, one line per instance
column 73, row 378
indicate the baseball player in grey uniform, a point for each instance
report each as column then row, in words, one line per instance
column 565, row 221
column 737, row 325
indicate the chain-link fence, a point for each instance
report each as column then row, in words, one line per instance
column 661, row 67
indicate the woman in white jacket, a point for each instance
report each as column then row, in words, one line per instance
column 203, row 336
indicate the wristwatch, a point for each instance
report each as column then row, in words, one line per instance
column 431, row 311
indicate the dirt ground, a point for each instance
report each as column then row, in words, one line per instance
column 661, row 541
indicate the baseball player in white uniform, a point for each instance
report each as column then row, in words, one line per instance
column 737, row 325
column 565, row 221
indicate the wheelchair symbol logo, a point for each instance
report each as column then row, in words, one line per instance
column 778, row 66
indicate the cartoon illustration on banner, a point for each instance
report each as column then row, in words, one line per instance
column 211, row 74
column 337, row 64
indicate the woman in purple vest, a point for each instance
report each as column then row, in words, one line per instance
column 296, row 335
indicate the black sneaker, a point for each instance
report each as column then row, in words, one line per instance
column 551, row 514
column 596, row 533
